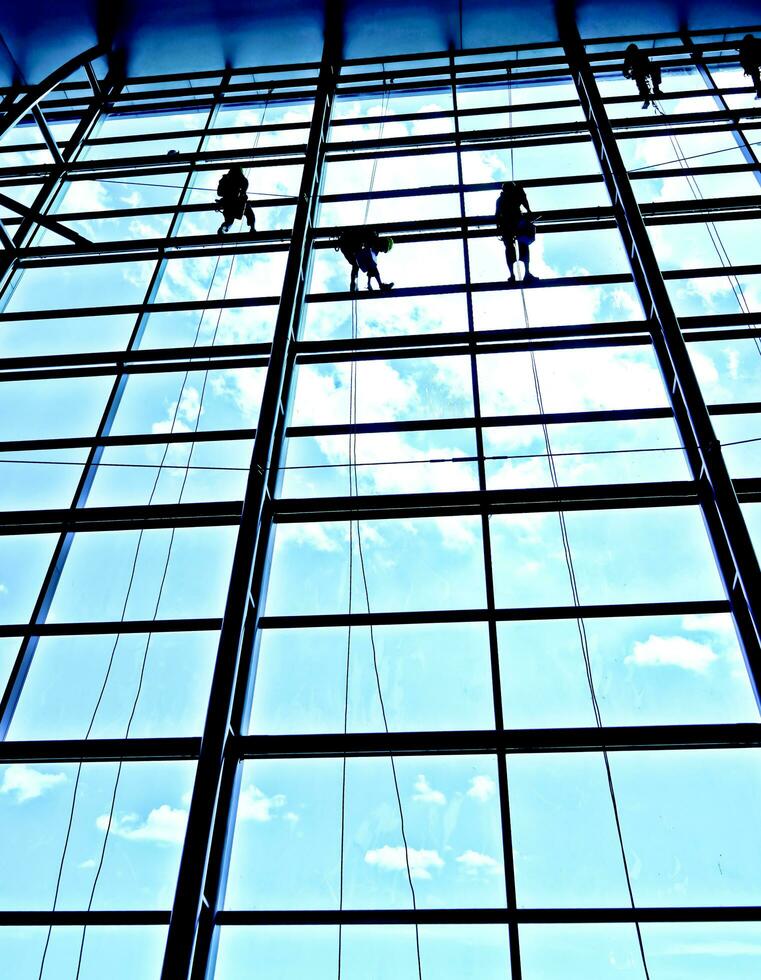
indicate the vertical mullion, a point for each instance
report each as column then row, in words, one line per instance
column 727, row 531
column 26, row 651
column 705, row 73
column 504, row 796
column 191, row 941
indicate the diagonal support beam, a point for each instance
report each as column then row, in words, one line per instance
column 5, row 238
column 92, row 78
column 735, row 554
column 43, row 219
column 718, row 97
column 47, row 135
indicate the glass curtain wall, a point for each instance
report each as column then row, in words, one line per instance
column 492, row 715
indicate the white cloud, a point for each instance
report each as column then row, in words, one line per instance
column 672, row 651
column 705, row 368
column 425, row 793
column 85, row 865
column 389, row 858
column 255, row 805
column 720, row 623
column 321, row 537
column 482, row 788
column 181, row 417
column 291, row 817
column 27, row 783
column 473, row 863
column 3, row 589
column 163, row 825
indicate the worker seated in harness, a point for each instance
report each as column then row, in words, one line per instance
column 750, row 60
column 638, row 66
column 514, row 226
column 233, row 200
column 360, row 248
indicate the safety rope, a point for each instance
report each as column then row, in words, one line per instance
column 713, row 231
column 179, row 187
column 692, row 156
column 581, row 628
column 149, row 638
column 583, row 641
column 379, row 462
column 354, row 492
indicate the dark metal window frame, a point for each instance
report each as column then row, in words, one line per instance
column 197, row 912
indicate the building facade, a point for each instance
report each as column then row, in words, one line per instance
column 382, row 634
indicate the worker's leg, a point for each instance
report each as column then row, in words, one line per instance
column 374, row 273
column 354, row 274
column 655, row 78
column 510, row 256
column 227, row 223
column 756, row 76
column 644, row 90
column 249, row 213
column 523, row 253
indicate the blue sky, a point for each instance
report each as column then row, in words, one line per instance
column 689, row 819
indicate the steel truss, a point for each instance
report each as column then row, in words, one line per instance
column 198, row 912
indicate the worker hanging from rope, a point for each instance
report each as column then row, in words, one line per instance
column 750, row 60
column 360, row 248
column 514, row 226
column 233, row 200
column 638, row 66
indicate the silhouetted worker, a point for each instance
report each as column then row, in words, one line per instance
column 750, row 60
column 233, row 200
column 360, row 248
column 515, row 226
column 638, row 66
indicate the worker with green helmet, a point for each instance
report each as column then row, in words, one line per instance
column 360, row 248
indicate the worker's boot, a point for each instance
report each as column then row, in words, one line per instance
column 386, row 287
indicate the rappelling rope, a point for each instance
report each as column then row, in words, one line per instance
column 122, row 616
column 713, row 231
column 583, row 641
column 353, row 493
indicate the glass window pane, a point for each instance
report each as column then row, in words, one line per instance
column 143, row 849
column 121, row 952
column 288, row 829
column 431, row 677
column 409, row 564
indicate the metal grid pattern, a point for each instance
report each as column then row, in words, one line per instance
column 79, row 129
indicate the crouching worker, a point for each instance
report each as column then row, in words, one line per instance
column 360, row 248
column 233, row 199
column 515, row 226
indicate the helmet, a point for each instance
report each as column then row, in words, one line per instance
column 388, row 244
column 508, row 185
